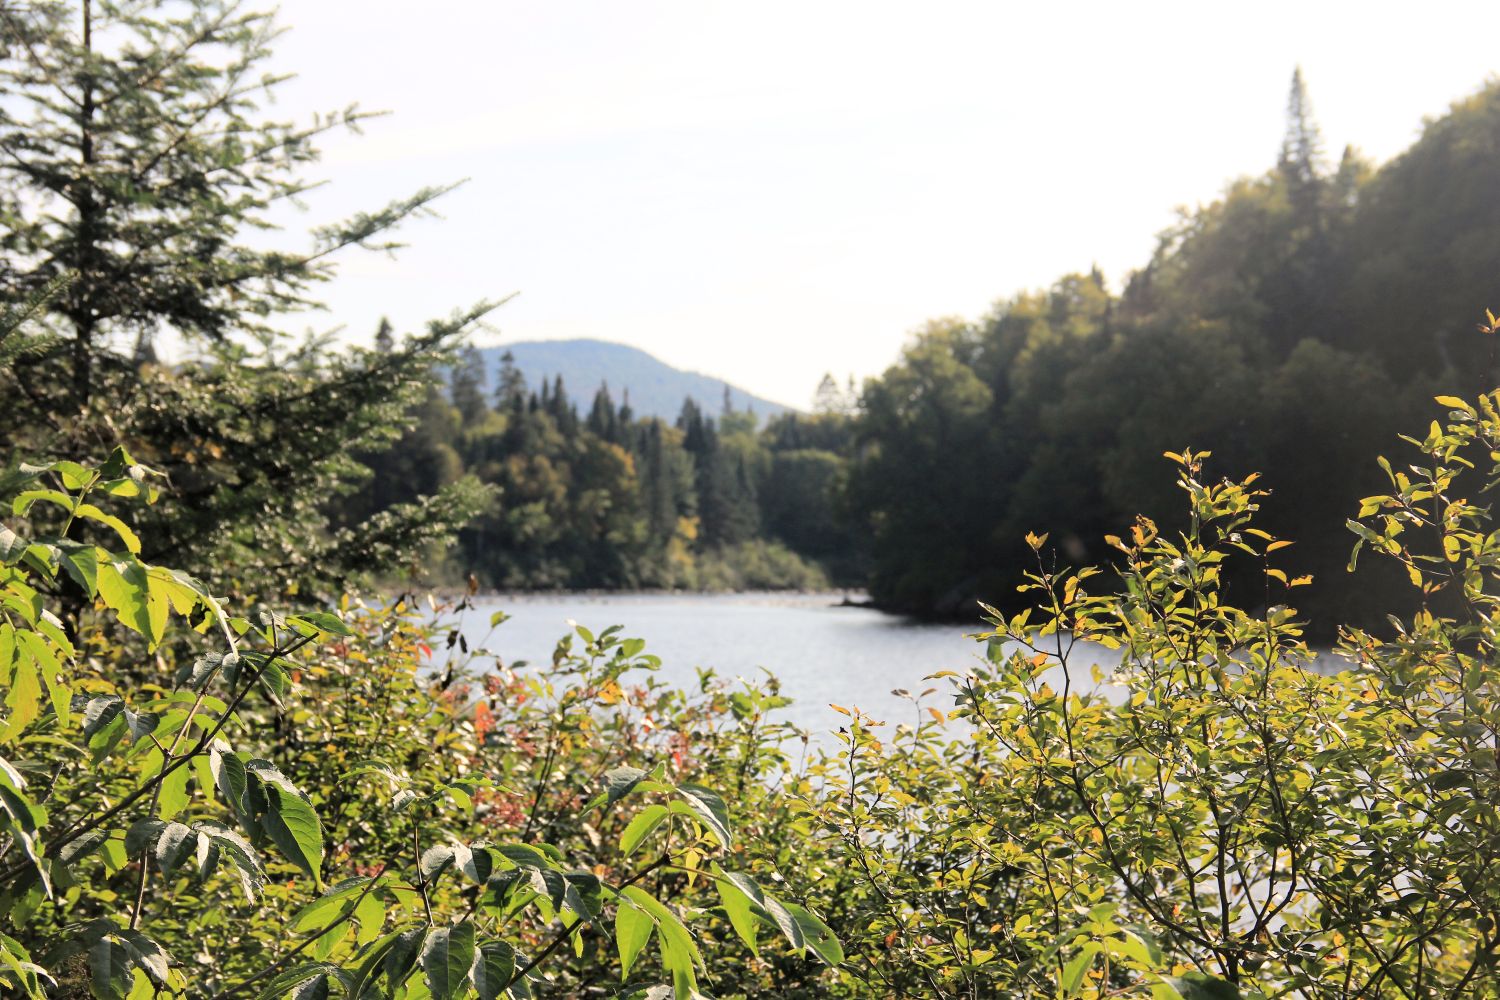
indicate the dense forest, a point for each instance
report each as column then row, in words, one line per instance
column 609, row 500
column 234, row 764
column 1320, row 301
column 1294, row 327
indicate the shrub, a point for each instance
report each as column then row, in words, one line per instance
column 307, row 810
column 1222, row 812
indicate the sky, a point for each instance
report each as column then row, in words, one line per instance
column 768, row 191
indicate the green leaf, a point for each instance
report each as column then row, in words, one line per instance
column 229, row 775
column 25, row 696
column 315, row 988
column 24, row 819
column 369, row 914
column 110, row 969
column 293, row 826
column 176, row 842
column 709, row 807
column 147, row 955
column 1078, row 966
column 371, row 960
column 448, row 960
column 323, row 621
column 308, row 981
column 641, row 826
column 1448, row 780
column 174, row 796
column 739, row 906
column 434, row 861
column 123, row 586
column 21, row 505
column 779, row 915
column 493, row 971
column 402, row 957
column 818, row 935
column 1199, row 986
column 12, row 546
column 633, row 927
column 619, row 783
column 679, row 952
column 132, row 543
column 81, row 562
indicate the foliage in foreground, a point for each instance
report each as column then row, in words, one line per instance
column 327, row 805
column 300, row 811
column 1218, row 813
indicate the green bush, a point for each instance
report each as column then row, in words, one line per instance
column 307, row 809
column 1224, row 813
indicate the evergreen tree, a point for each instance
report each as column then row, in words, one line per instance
column 510, row 393
column 661, row 502
column 134, row 157
column 603, row 419
column 827, row 398
column 385, row 337
column 469, row 379
column 562, row 409
column 627, row 417
column 1300, row 161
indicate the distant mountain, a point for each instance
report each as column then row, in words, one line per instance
column 656, row 388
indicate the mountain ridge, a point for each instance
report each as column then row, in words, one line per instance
column 655, row 387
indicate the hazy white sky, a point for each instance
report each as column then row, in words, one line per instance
column 766, row 191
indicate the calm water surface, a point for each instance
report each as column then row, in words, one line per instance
column 822, row 653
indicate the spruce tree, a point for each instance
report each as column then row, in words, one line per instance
column 1301, row 156
column 135, row 159
column 467, row 387
column 602, row 420
column 510, row 393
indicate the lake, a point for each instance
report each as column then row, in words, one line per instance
column 822, row 653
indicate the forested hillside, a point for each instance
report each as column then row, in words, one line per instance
column 604, row 498
column 1293, row 327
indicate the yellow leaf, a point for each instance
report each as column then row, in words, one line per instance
column 1277, row 545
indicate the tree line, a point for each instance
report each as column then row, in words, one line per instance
column 608, row 499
